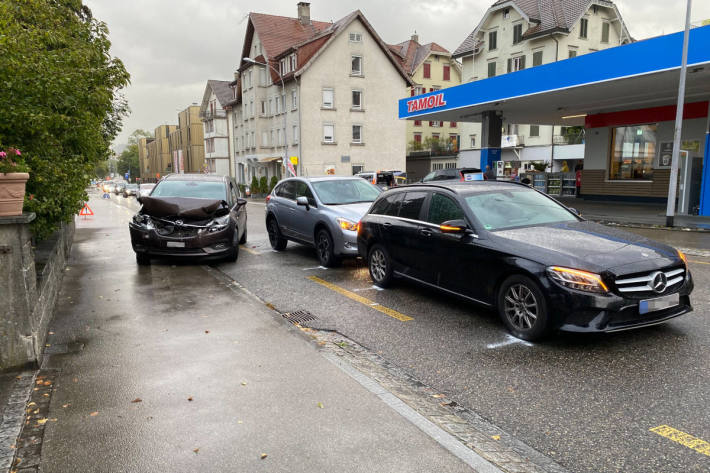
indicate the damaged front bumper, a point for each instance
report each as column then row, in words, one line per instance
column 187, row 240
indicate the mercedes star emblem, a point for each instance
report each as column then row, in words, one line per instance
column 659, row 282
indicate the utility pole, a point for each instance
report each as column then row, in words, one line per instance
column 673, row 184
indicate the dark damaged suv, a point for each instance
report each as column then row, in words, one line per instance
column 193, row 215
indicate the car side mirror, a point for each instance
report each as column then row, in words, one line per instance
column 574, row 211
column 455, row 227
column 302, row 200
column 241, row 202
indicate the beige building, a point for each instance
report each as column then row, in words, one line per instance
column 143, row 157
column 337, row 109
column 430, row 145
column 515, row 34
column 187, row 142
column 159, row 156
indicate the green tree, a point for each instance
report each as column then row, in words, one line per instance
column 128, row 160
column 59, row 100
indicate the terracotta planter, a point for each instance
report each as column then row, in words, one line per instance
column 12, row 193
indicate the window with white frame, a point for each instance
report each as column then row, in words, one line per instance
column 295, row 134
column 271, row 107
column 328, row 98
column 357, row 100
column 328, row 133
column 450, row 165
column 357, row 134
column 278, row 105
column 358, row 168
column 356, row 37
column 253, row 141
column 356, row 65
column 283, row 103
column 251, row 108
column 294, row 99
column 279, row 137
column 263, row 108
column 273, row 138
column 262, row 76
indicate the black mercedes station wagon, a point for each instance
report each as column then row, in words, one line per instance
column 507, row 246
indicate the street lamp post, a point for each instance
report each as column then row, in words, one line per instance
column 283, row 105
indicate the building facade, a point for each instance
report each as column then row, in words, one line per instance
column 431, row 145
column 518, row 34
column 213, row 114
column 317, row 95
column 159, row 156
column 143, row 160
column 187, row 146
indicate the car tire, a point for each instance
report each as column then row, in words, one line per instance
column 523, row 308
column 278, row 242
column 142, row 259
column 325, row 249
column 243, row 239
column 379, row 264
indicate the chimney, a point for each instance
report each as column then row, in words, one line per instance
column 236, row 75
column 304, row 13
column 415, row 37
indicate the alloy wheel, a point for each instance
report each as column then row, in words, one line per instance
column 323, row 246
column 521, row 306
column 273, row 232
column 378, row 265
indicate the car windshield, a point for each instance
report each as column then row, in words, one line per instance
column 500, row 209
column 195, row 189
column 345, row 191
column 131, row 186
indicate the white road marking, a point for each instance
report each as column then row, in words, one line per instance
column 509, row 340
column 314, row 267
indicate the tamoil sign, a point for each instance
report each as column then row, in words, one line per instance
column 425, row 103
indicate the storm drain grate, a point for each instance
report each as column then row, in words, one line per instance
column 299, row 317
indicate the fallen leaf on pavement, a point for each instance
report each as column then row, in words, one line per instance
column 45, row 395
column 189, row 398
column 263, row 455
column 244, row 383
column 66, row 405
column 240, row 422
column 51, row 333
column 196, row 451
column 94, row 414
column 438, row 396
column 32, row 404
column 137, row 400
column 320, row 404
column 53, row 419
column 495, row 437
column 207, row 331
column 42, row 421
column 76, row 380
column 47, row 383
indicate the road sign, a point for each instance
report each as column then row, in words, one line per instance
column 86, row 211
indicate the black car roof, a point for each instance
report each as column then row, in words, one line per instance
column 195, row 177
column 461, row 187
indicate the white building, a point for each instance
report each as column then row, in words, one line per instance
column 336, row 112
column 515, row 34
column 213, row 113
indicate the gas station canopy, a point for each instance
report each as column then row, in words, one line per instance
column 639, row 75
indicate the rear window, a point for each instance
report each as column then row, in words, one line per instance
column 412, row 205
column 194, row 189
column 388, row 205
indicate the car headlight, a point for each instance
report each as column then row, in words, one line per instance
column 144, row 221
column 684, row 258
column 218, row 224
column 577, row 279
column 346, row 224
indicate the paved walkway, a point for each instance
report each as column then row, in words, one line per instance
column 168, row 369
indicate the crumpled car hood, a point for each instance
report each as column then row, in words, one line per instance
column 186, row 207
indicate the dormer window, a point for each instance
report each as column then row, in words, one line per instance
column 356, row 37
column 288, row 64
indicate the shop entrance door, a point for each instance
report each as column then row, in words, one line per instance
column 691, row 173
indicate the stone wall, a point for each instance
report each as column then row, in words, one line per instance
column 29, row 284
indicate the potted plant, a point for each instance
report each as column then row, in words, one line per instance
column 14, row 174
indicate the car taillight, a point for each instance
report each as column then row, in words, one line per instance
column 462, row 179
column 268, row 198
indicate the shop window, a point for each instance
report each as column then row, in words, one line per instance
column 633, row 149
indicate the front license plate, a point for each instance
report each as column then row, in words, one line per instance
column 176, row 244
column 651, row 305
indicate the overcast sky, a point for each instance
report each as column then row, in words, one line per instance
column 171, row 48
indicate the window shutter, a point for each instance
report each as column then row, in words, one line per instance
column 453, row 124
column 522, row 62
column 447, row 72
column 412, row 91
column 431, row 123
column 427, row 70
column 510, row 64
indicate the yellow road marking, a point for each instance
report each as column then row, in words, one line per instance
column 249, row 250
column 698, row 262
column 687, row 440
column 362, row 300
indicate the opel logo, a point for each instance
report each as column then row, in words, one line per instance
column 178, row 222
column 659, row 281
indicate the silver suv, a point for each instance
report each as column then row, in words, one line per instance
column 322, row 212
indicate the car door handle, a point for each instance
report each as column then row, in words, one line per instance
column 387, row 224
column 425, row 232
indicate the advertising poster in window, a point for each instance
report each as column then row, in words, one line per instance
column 665, row 155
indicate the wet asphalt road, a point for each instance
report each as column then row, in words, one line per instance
column 586, row 401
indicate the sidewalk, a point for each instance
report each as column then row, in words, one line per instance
column 168, row 369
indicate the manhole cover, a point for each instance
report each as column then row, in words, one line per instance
column 299, row 317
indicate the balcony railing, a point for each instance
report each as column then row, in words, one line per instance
column 444, row 149
column 568, row 139
column 511, row 141
column 208, row 114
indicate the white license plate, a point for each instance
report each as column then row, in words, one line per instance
column 660, row 303
column 176, row 244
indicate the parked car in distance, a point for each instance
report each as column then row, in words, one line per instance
column 145, row 189
column 510, row 247
column 322, row 212
column 118, row 188
column 109, row 186
column 454, row 174
column 381, row 179
column 130, row 189
column 190, row 215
